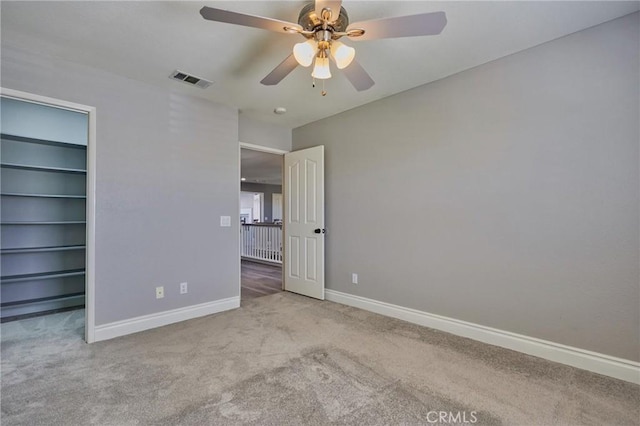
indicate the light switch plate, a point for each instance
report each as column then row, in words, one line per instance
column 225, row 221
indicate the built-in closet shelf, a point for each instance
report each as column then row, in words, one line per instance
column 42, row 168
column 18, row 194
column 41, row 141
column 71, row 297
column 40, row 249
column 43, row 193
column 41, row 276
column 62, row 222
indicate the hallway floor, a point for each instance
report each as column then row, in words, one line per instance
column 259, row 280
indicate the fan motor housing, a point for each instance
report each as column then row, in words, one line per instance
column 310, row 21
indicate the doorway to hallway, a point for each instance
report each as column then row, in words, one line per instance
column 260, row 223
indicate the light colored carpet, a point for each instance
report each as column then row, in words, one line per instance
column 286, row 359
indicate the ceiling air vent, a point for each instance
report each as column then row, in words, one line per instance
column 190, row 79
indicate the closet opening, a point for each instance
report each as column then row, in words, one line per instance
column 44, row 212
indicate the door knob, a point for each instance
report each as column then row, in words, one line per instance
column 319, row 231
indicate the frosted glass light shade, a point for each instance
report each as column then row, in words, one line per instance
column 342, row 54
column 321, row 69
column 305, row 52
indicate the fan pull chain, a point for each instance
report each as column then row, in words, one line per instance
column 313, row 84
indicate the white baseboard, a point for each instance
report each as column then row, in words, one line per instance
column 146, row 322
column 592, row 361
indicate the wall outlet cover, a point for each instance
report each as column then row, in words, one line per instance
column 159, row 292
column 184, row 289
column 225, row 221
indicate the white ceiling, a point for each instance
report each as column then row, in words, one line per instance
column 261, row 167
column 147, row 40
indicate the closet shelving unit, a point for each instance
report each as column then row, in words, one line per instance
column 43, row 191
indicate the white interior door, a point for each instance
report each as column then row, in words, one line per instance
column 276, row 207
column 258, row 207
column 246, row 205
column 304, row 222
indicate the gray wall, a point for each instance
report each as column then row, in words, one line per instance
column 527, row 171
column 167, row 168
column 267, row 190
column 264, row 134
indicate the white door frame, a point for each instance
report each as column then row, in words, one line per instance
column 90, row 267
column 261, row 148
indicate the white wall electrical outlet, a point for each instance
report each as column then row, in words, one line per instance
column 183, row 288
column 225, row 221
column 354, row 278
column 159, row 292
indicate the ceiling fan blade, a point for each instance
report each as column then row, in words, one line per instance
column 358, row 76
column 281, row 71
column 236, row 18
column 402, row 26
column 327, row 4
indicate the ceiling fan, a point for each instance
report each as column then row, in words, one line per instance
column 323, row 24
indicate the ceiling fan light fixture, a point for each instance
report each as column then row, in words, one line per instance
column 321, row 69
column 305, row 52
column 342, row 54
column 323, row 22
